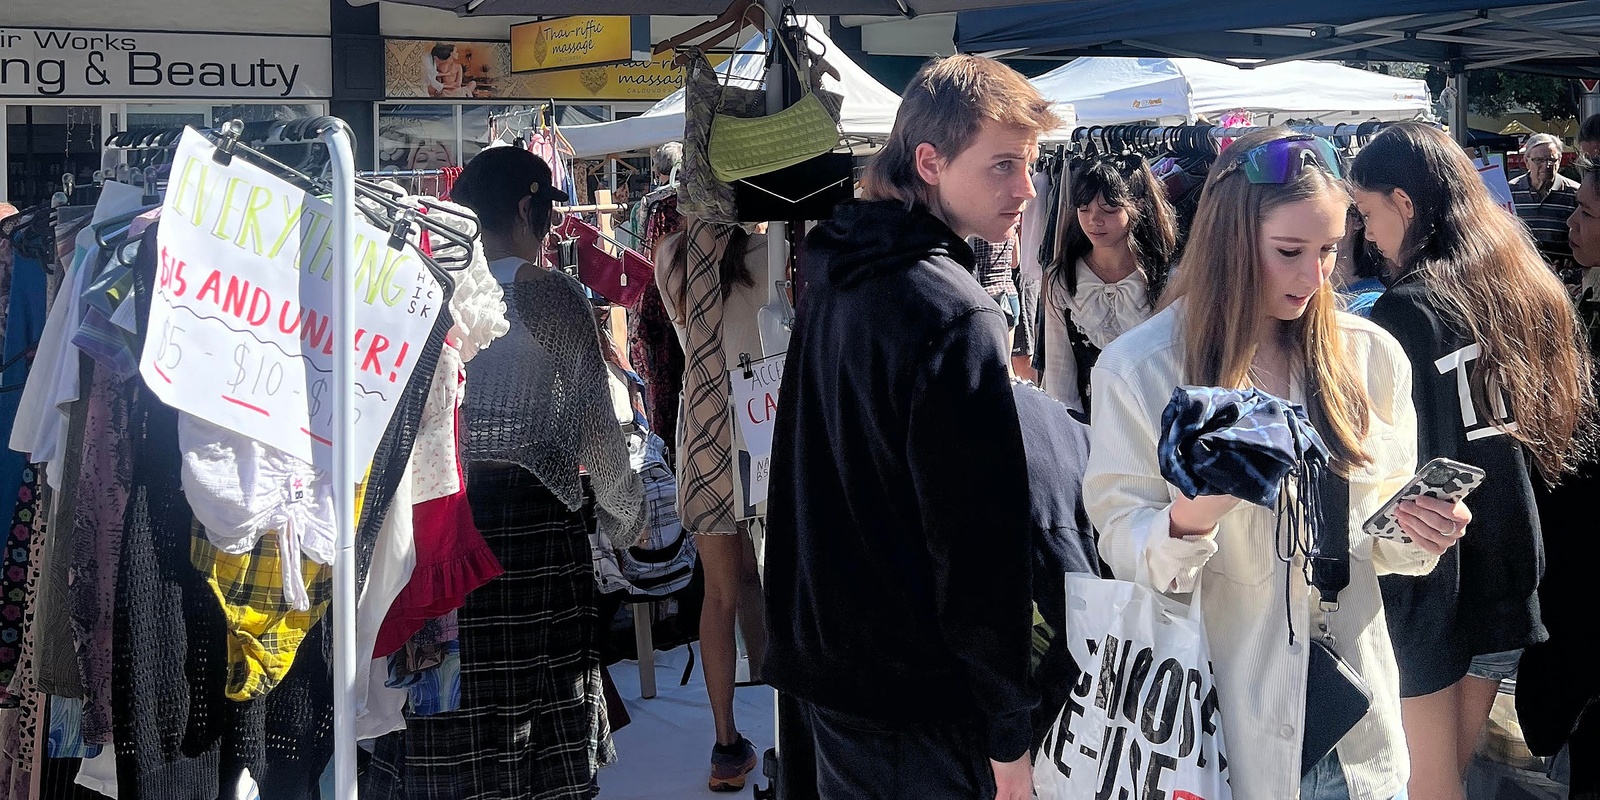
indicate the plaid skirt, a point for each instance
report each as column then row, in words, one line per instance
column 532, row 723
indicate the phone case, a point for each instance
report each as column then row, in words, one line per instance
column 1443, row 478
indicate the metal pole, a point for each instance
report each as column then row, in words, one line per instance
column 777, row 232
column 1458, row 109
column 337, row 136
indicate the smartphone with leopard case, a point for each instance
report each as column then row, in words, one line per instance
column 1442, row 478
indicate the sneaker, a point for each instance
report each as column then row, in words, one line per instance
column 730, row 764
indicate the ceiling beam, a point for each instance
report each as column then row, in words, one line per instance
column 1333, row 51
column 1589, row 45
column 1174, row 51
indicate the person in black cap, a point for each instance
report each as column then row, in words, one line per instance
column 532, row 719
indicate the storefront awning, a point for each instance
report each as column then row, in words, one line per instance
column 555, row 8
column 1530, row 35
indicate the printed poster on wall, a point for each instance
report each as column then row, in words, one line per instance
column 240, row 333
column 755, row 414
column 421, row 68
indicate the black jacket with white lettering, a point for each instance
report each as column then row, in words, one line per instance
column 1483, row 597
column 898, row 555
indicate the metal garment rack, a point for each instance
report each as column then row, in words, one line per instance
column 336, row 135
column 1136, row 137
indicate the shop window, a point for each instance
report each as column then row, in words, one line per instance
column 264, row 112
column 162, row 116
column 417, row 136
column 45, row 142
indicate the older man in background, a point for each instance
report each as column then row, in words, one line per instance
column 1545, row 198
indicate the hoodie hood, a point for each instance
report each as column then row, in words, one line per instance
column 866, row 239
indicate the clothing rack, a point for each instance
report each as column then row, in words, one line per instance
column 335, row 135
column 1130, row 138
column 380, row 174
column 521, row 112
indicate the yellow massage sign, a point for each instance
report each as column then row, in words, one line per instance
column 570, row 42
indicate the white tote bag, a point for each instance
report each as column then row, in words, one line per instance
column 1143, row 719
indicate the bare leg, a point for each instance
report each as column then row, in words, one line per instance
column 722, row 558
column 1432, row 728
column 1477, row 699
column 1022, row 367
column 752, row 612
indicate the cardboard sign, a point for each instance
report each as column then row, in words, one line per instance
column 240, row 333
column 755, row 414
column 1493, row 173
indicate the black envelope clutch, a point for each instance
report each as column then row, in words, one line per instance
column 807, row 190
column 1336, row 699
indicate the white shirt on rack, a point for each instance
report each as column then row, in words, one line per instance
column 1102, row 311
column 1035, row 218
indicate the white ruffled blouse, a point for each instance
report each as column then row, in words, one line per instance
column 1101, row 311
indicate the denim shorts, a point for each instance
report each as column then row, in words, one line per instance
column 1011, row 306
column 1496, row 666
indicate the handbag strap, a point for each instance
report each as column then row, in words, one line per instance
column 1320, row 530
column 777, row 34
column 1330, row 549
column 1328, row 552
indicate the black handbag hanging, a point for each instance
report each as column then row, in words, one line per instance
column 1336, row 695
column 806, row 191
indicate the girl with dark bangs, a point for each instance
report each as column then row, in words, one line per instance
column 1118, row 234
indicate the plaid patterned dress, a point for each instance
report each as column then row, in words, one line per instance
column 532, row 723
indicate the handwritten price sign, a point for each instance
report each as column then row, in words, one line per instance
column 755, row 413
column 241, row 328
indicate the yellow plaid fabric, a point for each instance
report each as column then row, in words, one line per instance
column 263, row 631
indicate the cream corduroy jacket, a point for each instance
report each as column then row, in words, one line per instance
column 1261, row 677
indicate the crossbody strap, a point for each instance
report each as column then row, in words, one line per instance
column 1330, row 546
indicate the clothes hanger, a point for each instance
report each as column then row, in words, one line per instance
column 727, row 24
column 790, row 22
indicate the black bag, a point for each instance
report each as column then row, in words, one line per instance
column 1336, row 696
column 807, row 190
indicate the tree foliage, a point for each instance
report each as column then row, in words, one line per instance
column 1495, row 92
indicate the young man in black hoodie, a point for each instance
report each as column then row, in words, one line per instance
column 898, row 552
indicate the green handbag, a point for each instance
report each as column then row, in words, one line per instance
column 742, row 148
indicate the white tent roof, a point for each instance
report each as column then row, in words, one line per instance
column 868, row 110
column 1112, row 91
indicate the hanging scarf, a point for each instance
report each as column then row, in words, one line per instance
column 1251, row 445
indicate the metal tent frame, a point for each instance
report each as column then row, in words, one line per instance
column 1460, row 35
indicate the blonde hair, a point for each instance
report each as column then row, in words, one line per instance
column 1224, row 312
column 945, row 106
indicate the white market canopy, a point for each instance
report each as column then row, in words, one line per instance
column 1115, row 91
column 868, row 110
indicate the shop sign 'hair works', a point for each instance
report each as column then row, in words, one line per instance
column 63, row 63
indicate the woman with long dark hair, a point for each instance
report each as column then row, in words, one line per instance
column 1117, row 235
column 1502, row 381
column 1251, row 307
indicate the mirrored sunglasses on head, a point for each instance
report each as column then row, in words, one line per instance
column 1281, row 160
